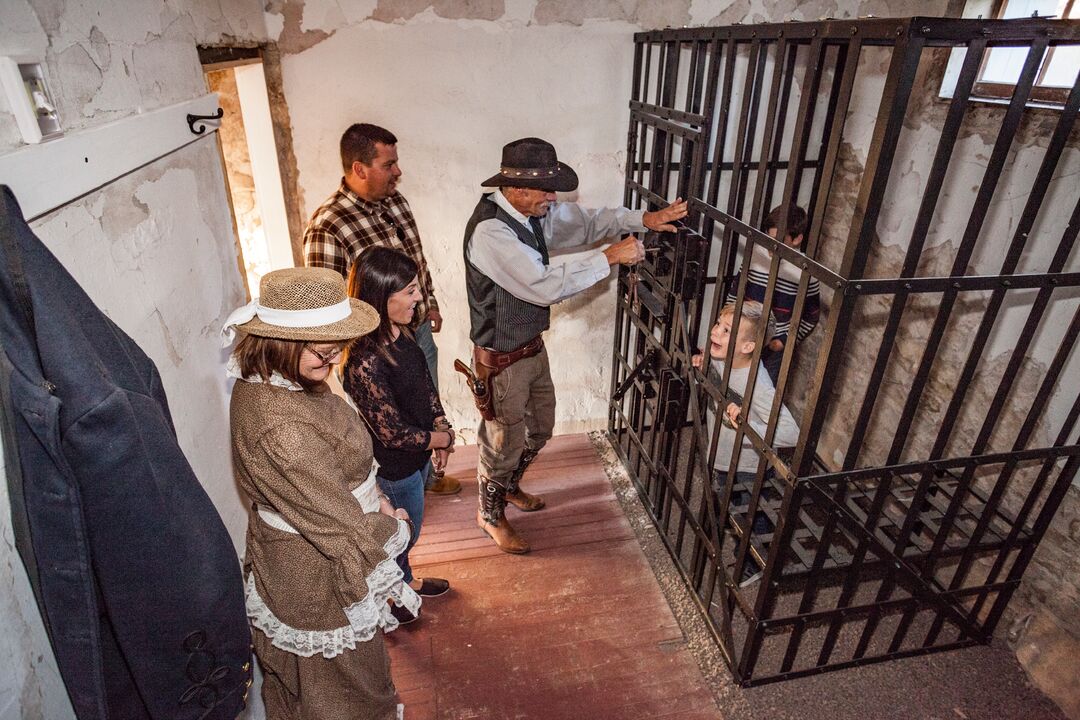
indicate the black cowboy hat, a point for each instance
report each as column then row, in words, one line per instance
column 532, row 163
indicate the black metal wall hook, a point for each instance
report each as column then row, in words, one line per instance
column 192, row 119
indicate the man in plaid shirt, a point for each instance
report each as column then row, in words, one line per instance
column 368, row 210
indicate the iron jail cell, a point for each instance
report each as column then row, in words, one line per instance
column 937, row 402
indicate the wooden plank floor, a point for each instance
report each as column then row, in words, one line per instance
column 578, row 628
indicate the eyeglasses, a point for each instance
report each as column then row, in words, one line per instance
column 326, row 358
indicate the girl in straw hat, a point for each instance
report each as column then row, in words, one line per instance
column 322, row 542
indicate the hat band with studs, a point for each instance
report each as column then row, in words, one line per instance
column 314, row 317
column 529, row 172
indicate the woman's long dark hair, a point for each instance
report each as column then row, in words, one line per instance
column 377, row 274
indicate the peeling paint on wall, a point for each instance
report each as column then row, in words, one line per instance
column 673, row 13
column 154, row 249
column 394, row 10
column 292, row 38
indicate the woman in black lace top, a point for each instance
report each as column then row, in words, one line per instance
column 386, row 375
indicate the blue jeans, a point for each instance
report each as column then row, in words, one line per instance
column 408, row 494
column 426, row 340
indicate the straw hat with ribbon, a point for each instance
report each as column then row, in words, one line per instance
column 302, row 304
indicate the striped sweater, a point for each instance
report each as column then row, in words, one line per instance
column 787, row 288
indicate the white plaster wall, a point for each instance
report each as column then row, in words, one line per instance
column 454, row 93
column 154, row 249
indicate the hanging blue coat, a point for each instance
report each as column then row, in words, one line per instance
column 133, row 570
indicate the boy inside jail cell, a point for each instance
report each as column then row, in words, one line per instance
column 787, row 287
column 787, row 431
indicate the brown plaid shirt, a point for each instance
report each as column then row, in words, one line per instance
column 346, row 225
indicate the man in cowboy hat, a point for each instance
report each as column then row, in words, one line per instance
column 511, row 285
column 368, row 210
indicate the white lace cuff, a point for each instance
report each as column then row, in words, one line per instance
column 383, row 583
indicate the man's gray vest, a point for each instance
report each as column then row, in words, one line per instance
column 500, row 321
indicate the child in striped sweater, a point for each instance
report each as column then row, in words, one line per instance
column 787, row 288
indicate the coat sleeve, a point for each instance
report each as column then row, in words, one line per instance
column 308, row 489
column 569, row 224
column 495, row 251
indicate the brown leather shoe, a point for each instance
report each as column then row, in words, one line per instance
column 444, row 485
column 504, row 535
column 524, row 501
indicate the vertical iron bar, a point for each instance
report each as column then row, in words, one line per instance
column 778, row 139
column 828, row 147
column 931, row 194
column 797, row 158
column 898, row 83
column 967, row 245
column 721, row 122
column 697, row 189
column 1049, row 507
column 770, row 134
column 944, row 311
column 742, row 168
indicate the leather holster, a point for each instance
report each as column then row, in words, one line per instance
column 486, row 365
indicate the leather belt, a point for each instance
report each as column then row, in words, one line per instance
column 502, row 360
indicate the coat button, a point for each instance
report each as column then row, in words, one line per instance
column 247, row 666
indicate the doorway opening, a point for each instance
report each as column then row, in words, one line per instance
column 249, row 157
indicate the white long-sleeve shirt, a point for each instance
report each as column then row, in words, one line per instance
column 496, row 251
column 787, row 431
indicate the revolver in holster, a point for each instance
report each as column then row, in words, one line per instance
column 480, row 385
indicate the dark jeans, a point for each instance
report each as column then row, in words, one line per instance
column 426, row 340
column 407, row 493
column 771, row 359
column 740, row 496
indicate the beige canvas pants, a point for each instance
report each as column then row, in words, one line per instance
column 524, row 419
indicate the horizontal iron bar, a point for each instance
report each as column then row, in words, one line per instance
column 811, row 164
column 854, row 611
column 936, row 31
column 667, row 113
column 914, row 652
column 790, row 254
column 646, row 193
column 911, row 468
column 965, row 282
column 666, row 125
column 913, row 553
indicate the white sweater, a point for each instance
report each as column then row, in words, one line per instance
column 787, row 431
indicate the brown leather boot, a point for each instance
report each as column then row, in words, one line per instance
column 524, row 501
column 504, row 535
column 514, row 494
column 444, row 485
